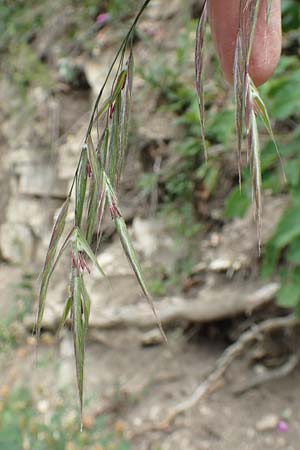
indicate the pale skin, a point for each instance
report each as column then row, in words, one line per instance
column 266, row 50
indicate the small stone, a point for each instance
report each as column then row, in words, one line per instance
column 267, row 423
column 215, row 239
column 43, row 406
column 16, row 243
column 220, row 265
column 152, row 337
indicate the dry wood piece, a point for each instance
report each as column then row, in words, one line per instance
column 212, row 304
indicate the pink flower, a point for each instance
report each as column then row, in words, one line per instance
column 103, row 19
column 282, row 426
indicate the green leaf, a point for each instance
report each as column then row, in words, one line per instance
column 80, row 186
column 113, row 153
column 263, row 113
column 288, row 228
column 236, row 204
column 134, row 262
column 104, row 148
column 65, row 313
column 86, row 305
column 78, row 333
column 119, row 85
column 94, row 162
column 270, row 260
column 239, row 90
column 124, row 116
column 255, row 166
column 220, row 126
column 293, row 252
column 50, row 261
column 94, row 190
column 93, row 199
column 292, row 169
column 199, row 70
column 288, row 295
column 128, row 247
column 211, row 179
column 106, row 104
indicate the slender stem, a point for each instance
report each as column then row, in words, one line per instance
column 120, row 50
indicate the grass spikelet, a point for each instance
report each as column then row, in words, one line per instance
column 78, row 328
column 80, row 186
column 57, row 232
column 96, row 178
column 199, row 69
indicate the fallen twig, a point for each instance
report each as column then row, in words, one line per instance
column 269, row 375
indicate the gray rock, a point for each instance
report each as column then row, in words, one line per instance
column 16, row 243
column 267, row 422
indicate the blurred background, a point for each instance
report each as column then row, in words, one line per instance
column 191, row 225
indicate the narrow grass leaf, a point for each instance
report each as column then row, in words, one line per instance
column 78, row 333
column 119, row 85
column 128, row 247
column 113, row 153
column 49, row 262
column 249, row 16
column 125, row 107
column 94, row 161
column 110, row 100
column 199, row 69
column 65, row 314
column 104, row 108
column 94, row 191
column 239, row 78
column 263, row 113
column 256, row 173
column 80, row 186
column 103, row 148
column 86, row 305
column 268, row 10
column 134, row 262
column 91, row 215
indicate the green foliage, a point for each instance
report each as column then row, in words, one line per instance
column 237, row 203
column 23, row 426
column 177, row 94
column 18, row 20
column 120, row 9
column 282, row 94
column 19, row 307
column 291, row 15
column 175, row 87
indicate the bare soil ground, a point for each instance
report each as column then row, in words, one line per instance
column 137, row 386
